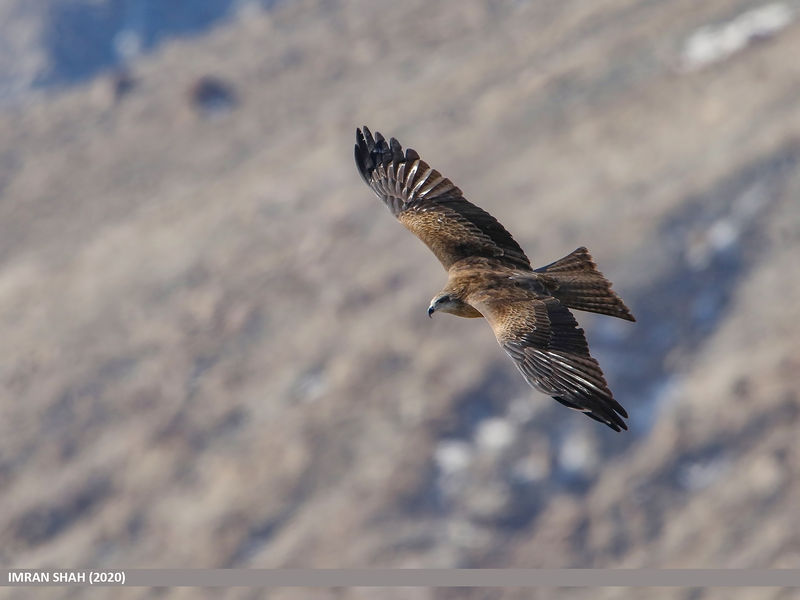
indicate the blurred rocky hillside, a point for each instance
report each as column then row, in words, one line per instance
column 215, row 349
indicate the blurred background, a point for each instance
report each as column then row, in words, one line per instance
column 215, row 349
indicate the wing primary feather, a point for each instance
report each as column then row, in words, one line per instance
column 420, row 182
column 431, row 206
column 400, row 178
column 397, row 150
column 410, row 178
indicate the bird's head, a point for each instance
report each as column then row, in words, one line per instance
column 442, row 302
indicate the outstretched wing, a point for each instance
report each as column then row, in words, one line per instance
column 544, row 340
column 430, row 206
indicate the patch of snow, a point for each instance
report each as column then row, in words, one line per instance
column 531, row 469
column 715, row 43
column 578, row 454
column 723, row 234
column 127, row 44
column 701, row 474
column 452, row 456
column 494, row 434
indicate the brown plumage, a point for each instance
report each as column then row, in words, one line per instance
column 490, row 276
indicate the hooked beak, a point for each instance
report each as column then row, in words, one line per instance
column 431, row 310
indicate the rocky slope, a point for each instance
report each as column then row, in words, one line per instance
column 215, row 350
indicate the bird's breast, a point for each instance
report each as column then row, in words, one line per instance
column 468, row 312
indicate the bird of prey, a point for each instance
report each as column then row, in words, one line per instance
column 490, row 276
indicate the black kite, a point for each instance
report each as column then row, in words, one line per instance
column 490, row 276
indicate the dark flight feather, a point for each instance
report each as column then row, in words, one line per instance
column 430, row 206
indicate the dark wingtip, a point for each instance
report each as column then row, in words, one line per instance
column 365, row 145
column 370, row 150
column 616, row 423
column 620, row 424
column 618, row 412
column 611, row 413
column 396, row 149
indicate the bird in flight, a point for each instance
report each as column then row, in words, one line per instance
column 490, row 276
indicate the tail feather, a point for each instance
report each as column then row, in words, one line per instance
column 575, row 281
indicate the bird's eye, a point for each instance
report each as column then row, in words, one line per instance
column 443, row 299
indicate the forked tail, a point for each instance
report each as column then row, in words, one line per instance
column 576, row 283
